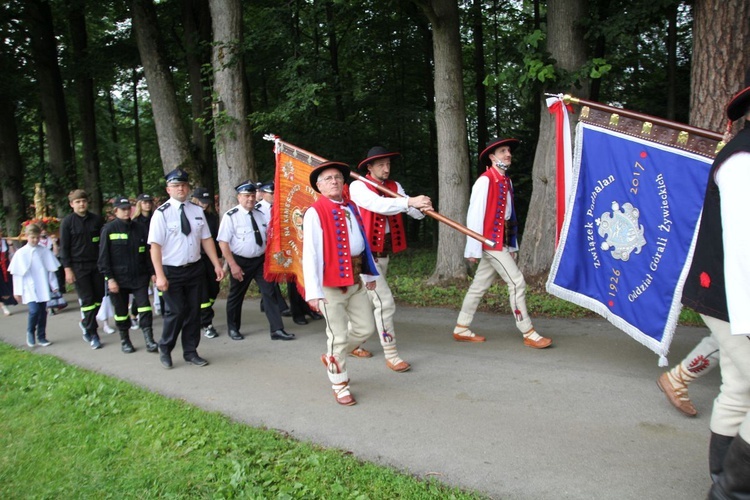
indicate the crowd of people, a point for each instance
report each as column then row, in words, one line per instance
column 350, row 232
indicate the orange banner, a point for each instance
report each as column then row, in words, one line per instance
column 292, row 196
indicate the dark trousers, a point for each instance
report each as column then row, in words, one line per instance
column 253, row 269
column 182, row 308
column 90, row 289
column 300, row 308
column 141, row 304
column 210, row 292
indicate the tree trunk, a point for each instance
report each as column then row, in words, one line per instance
column 174, row 147
column 721, row 35
column 137, row 133
column 11, row 168
column 84, row 84
column 38, row 16
column 234, row 148
column 115, row 141
column 453, row 150
column 568, row 48
column 480, row 73
column 197, row 39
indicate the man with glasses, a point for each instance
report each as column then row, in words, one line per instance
column 336, row 260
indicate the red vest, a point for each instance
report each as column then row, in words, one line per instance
column 337, row 268
column 494, row 213
column 375, row 223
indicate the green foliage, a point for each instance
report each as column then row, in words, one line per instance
column 69, row 433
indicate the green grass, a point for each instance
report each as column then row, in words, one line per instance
column 408, row 273
column 69, row 433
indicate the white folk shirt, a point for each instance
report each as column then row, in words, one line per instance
column 165, row 230
column 33, row 269
column 733, row 179
column 236, row 229
column 475, row 217
column 364, row 197
column 312, row 251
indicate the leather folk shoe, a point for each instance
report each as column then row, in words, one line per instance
column 361, row 352
column 282, row 335
column 342, row 394
column 467, row 336
column 678, row 396
column 235, row 335
column 539, row 343
column 401, row 366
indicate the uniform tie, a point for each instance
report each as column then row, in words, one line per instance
column 256, row 230
column 184, row 222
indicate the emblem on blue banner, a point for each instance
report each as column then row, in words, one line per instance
column 621, row 231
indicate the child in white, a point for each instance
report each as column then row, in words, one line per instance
column 33, row 268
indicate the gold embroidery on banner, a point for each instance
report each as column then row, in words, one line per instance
column 614, row 120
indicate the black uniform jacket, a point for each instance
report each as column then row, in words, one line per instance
column 79, row 240
column 124, row 254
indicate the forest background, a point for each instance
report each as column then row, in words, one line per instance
column 110, row 95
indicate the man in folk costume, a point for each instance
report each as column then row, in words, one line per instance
column 492, row 214
column 718, row 287
column 338, row 270
column 386, row 233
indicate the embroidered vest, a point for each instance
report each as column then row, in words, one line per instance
column 496, row 228
column 337, row 269
column 704, row 289
column 375, row 223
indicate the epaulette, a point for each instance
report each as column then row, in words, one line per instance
column 233, row 211
column 163, row 207
column 257, row 206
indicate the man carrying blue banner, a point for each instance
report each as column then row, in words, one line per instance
column 718, row 287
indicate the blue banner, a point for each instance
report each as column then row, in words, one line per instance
column 629, row 232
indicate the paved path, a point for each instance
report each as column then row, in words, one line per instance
column 581, row 420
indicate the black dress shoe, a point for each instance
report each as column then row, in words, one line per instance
column 286, row 313
column 300, row 321
column 315, row 315
column 197, row 361
column 282, row 335
column 165, row 358
column 235, row 335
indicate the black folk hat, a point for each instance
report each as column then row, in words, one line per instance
column 740, row 103
column 341, row 167
column 484, row 156
column 376, row 153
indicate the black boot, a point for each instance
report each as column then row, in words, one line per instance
column 734, row 480
column 148, row 336
column 717, row 451
column 127, row 347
